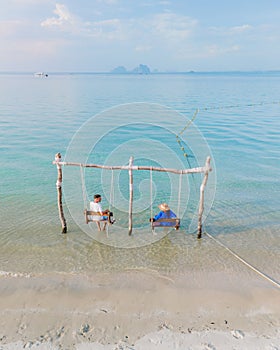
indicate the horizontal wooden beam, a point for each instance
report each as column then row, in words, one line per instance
column 135, row 167
column 167, row 220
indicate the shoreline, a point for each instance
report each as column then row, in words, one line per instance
column 131, row 309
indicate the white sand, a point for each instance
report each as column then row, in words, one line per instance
column 139, row 310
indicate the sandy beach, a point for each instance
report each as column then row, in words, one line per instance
column 139, row 310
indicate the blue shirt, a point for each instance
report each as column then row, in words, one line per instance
column 165, row 215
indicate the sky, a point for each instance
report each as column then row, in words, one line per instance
column 166, row 35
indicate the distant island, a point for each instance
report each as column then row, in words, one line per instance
column 141, row 69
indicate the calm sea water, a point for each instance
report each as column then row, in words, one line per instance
column 239, row 118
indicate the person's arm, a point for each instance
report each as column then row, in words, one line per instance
column 158, row 216
column 98, row 205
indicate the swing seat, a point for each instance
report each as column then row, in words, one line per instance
column 172, row 222
column 89, row 214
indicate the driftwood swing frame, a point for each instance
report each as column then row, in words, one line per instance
column 130, row 168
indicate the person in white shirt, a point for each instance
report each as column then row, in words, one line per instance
column 103, row 215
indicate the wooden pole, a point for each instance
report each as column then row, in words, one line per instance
column 201, row 200
column 130, row 196
column 59, row 192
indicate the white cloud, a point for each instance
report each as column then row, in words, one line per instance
column 68, row 22
column 215, row 50
column 225, row 31
column 168, row 27
column 240, row 29
column 165, row 3
column 64, row 18
column 175, row 36
column 173, row 26
column 108, row 2
column 29, row 2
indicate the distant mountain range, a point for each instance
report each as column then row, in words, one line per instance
column 141, row 69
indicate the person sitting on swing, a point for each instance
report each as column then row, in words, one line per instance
column 96, row 207
column 165, row 213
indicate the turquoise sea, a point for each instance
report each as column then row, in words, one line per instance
column 238, row 121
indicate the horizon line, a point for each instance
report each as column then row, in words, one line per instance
column 139, row 73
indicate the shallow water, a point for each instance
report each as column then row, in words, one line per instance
column 238, row 117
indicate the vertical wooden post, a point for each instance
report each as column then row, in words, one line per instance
column 59, row 193
column 201, row 200
column 130, row 196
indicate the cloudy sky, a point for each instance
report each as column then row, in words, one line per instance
column 167, row 35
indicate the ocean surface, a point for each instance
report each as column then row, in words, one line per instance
column 114, row 117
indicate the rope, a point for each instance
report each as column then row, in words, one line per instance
column 178, row 140
column 151, row 200
column 83, row 187
column 185, row 154
column 182, row 131
column 179, row 195
column 277, row 284
column 243, row 105
column 151, row 192
column 111, row 204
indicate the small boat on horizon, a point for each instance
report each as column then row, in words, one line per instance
column 41, row 75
